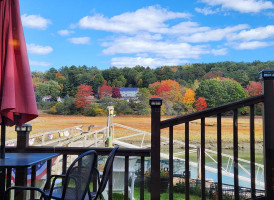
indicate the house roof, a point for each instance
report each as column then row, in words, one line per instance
column 129, row 89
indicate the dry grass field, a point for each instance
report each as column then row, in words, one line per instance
column 46, row 122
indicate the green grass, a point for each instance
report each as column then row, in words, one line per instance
column 176, row 196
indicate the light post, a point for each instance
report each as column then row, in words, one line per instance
column 23, row 136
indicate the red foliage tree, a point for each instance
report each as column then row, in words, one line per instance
column 153, row 87
column 116, row 92
column 253, row 89
column 200, row 104
column 162, row 88
column 105, row 91
column 83, row 92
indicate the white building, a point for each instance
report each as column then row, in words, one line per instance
column 129, row 93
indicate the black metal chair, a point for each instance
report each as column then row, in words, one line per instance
column 105, row 177
column 74, row 184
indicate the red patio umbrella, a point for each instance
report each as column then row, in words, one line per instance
column 17, row 99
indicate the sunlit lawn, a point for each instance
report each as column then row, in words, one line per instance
column 176, row 196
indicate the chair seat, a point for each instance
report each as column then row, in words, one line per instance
column 57, row 193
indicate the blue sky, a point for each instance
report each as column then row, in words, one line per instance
column 145, row 32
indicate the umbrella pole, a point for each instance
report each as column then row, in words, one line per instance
column 3, row 138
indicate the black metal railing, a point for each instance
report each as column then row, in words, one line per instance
column 268, row 125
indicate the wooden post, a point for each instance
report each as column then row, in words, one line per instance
column 268, row 127
column 155, row 104
column 22, row 142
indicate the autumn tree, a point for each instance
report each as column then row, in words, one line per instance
column 200, row 104
column 174, row 85
column 153, row 87
column 189, row 97
column 116, row 92
column 253, row 89
column 83, row 92
column 162, row 89
column 105, row 91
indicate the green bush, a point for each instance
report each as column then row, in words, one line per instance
column 67, row 107
column 45, row 105
column 94, row 110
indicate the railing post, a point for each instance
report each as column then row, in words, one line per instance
column 23, row 136
column 268, row 127
column 22, row 142
column 155, row 104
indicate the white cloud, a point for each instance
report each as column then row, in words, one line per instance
column 251, row 45
column 213, row 35
column 164, row 49
column 254, row 34
column 187, row 28
column 243, row 6
column 80, row 40
column 149, row 19
column 145, row 61
column 219, row 52
column 65, row 32
column 37, row 49
column 35, row 21
column 206, row 11
column 39, row 63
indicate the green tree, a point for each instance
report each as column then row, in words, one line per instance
column 217, row 92
column 51, row 74
column 98, row 81
column 48, row 88
column 142, row 106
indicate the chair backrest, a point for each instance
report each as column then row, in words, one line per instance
column 119, row 163
column 78, row 176
column 118, row 174
column 107, row 170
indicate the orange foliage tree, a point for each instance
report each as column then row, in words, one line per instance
column 83, row 92
column 174, row 85
column 105, row 91
column 189, row 97
column 168, row 90
column 200, row 104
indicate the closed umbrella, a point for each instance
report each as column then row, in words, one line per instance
column 17, row 99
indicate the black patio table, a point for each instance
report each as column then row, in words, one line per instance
column 21, row 162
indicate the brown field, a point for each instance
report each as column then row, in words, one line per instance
column 46, row 122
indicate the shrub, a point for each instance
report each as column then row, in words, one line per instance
column 94, row 110
column 67, row 107
column 45, row 105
